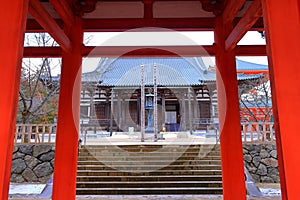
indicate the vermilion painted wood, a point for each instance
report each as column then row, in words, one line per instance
column 119, row 25
column 13, row 22
column 64, row 10
column 253, row 13
column 148, row 9
column 142, row 51
column 42, row 16
column 229, row 118
column 65, row 165
column 282, row 25
column 231, row 9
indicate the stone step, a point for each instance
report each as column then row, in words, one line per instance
column 147, row 158
column 160, row 172
column 147, row 148
column 148, row 191
column 149, row 154
column 150, row 167
column 144, row 151
column 149, row 184
column 98, row 163
column 150, row 178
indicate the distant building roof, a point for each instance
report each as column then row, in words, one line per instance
column 126, row 72
column 248, row 66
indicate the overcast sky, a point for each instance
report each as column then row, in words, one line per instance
column 148, row 37
column 166, row 37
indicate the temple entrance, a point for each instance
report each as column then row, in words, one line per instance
column 184, row 106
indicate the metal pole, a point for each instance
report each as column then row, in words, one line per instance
column 155, row 103
column 142, row 104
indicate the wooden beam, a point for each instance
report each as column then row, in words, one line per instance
column 250, row 50
column 41, row 15
column 161, row 51
column 42, row 52
column 178, row 24
column 66, row 148
column 231, row 9
column 148, row 9
column 145, row 51
column 282, row 26
column 64, row 10
column 232, row 160
column 253, row 13
column 13, row 19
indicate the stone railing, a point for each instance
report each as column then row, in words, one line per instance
column 35, row 133
column 258, row 132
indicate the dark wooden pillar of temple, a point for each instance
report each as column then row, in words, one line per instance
column 66, row 151
column 282, row 27
column 183, row 113
column 229, row 117
column 12, row 22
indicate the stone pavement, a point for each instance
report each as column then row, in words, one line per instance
column 270, row 191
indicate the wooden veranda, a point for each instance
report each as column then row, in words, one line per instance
column 67, row 20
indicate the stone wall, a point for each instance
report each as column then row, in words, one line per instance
column 32, row 163
column 261, row 162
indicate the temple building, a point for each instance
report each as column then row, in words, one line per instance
column 186, row 92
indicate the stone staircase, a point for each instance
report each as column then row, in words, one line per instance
column 149, row 169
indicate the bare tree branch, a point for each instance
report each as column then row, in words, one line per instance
column 255, row 98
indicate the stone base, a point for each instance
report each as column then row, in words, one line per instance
column 149, row 130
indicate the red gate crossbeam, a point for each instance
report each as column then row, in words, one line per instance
column 231, row 10
column 253, row 13
column 142, row 51
column 148, row 9
column 38, row 11
column 64, row 10
column 178, row 24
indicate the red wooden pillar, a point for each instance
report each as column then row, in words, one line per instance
column 229, row 117
column 282, row 26
column 12, row 22
column 65, row 165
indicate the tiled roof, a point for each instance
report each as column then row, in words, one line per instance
column 170, row 72
column 248, row 66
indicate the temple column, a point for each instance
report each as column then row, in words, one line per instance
column 163, row 109
column 138, row 110
column 183, row 114
column 229, row 118
column 125, row 112
column 91, row 91
column 111, row 111
column 107, row 104
column 66, row 150
column 210, row 93
column 190, row 110
column 282, row 28
column 196, row 106
column 119, row 110
column 12, row 22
